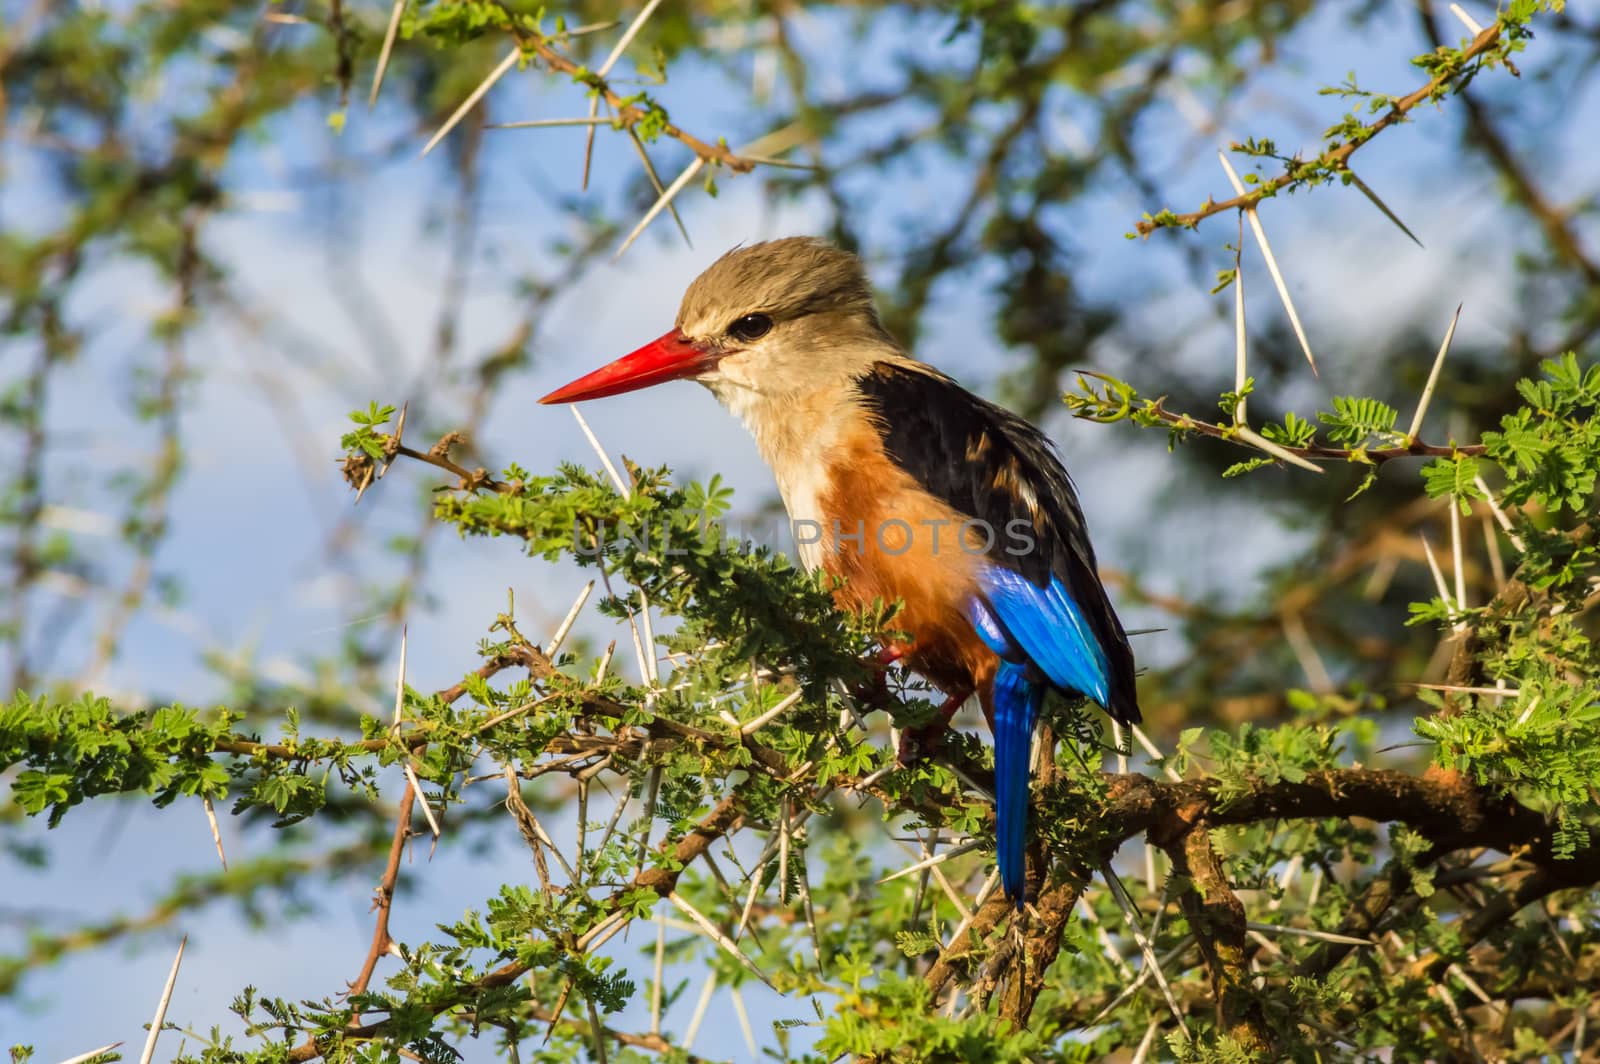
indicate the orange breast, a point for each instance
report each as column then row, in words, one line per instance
column 891, row 540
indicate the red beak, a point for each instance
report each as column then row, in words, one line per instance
column 666, row 358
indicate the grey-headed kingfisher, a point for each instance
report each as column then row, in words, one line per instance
column 925, row 494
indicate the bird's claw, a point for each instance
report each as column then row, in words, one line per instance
column 917, row 743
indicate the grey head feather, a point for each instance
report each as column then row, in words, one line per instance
column 789, row 279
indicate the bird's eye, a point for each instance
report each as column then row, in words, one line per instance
column 750, row 327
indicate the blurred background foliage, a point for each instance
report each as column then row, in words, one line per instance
column 982, row 155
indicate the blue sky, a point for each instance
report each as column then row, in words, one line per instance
column 256, row 507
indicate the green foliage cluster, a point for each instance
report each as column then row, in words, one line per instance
column 861, row 947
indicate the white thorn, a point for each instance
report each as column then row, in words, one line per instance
column 656, row 985
column 605, row 459
column 1239, row 333
column 655, row 182
column 977, row 904
column 565, row 628
column 411, row 773
column 700, row 1010
column 1255, row 439
column 1272, row 262
column 1145, row 946
column 548, row 123
column 770, row 715
column 1456, row 559
column 744, row 1021
column 383, row 54
column 1433, row 377
column 1438, row 578
column 661, row 202
column 477, row 94
column 1155, row 754
column 81, row 1057
column 599, row 932
column 1147, row 1041
column 1302, row 932
column 627, row 37
column 216, row 830
column 161, row 1006
column 1466, row 19
column 712, row 932
column 936, row 859
column 1499, row 514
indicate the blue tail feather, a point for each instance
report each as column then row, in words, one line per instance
column 1016, row 709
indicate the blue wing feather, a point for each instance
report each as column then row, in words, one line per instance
column 1043, row 625
column 1040, row 635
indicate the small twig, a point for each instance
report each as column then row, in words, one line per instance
column 383, row 901
column 471, row 480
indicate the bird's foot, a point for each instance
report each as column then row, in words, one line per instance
column 874, row 692
column 920, row 741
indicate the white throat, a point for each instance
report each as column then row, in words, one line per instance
column 796, row 435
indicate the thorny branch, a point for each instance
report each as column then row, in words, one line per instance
column 1374, row 455
column 1218, row 919
column 1336, row 158
column 383, row 900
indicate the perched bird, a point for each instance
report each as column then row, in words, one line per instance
column 908, row 486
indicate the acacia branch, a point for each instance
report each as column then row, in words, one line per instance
column 383, row 901
column 1337, row 157
column 1217, row 918
column 1316, row 452
column 726, row 817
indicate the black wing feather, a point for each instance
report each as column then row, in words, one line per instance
column 990, row 464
